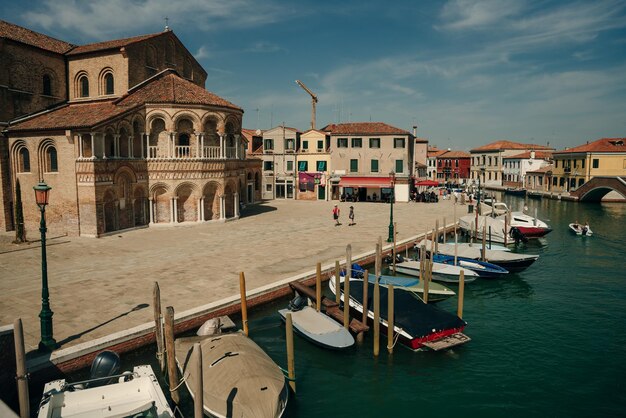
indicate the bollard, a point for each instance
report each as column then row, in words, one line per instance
column 244, row 302
column 172, row 371
column 291, row 362
column 459, row 311
column 390, row 319
column 337, row 282
column 198, row 402
column 20, row 363
column 318, row 287
column 158, row 324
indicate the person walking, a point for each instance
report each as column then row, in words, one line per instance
column 336, row 212
column 351, row 216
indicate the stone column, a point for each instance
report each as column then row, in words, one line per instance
column 202, row 209
column 80, row 146
column 104, row 146
column 176, row 209
column 131, row 151
column 222, row 207
column 147, row 138
column 237, row 142
column 93, row 145
column 199, row 206
column 201, row 144
column 171, row 210
column 116, row 146
column 236, row 202
column 151, row 201
column 222, row 149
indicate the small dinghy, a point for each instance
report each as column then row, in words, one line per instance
column 441, row 272
column 582, row 230
column 106, row 393
column 240, row 379
column 316, row 326
column 484, row 269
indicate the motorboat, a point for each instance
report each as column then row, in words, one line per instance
column 239, row 378
column 519, row 227
column 511, row 261
column 515, row 191
column 417, row 324
column 441, row 272
column 534, row 194
column 106, row 393
column 582, row 230
column 483, row 268
column 315, row 326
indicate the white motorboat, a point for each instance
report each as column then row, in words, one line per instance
column 106, row 394
column 582, row 230
column 441, row 272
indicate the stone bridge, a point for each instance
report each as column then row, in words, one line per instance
column 596, row 188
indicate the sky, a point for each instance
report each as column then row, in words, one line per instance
column 466, row 72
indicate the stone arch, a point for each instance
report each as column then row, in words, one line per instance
column 21, row 157
column 211, row 193
column 138, row 130
column 109, row 142
column 170, row 51
column 158, row 137
column 49, row 82
column 161, row 203
column 81, row 84
column 48, row 156
column 187, row 69
column 124, row 142
column 124, row 179
column 185, row 132
column 187, row 202
column 109, row 203
column 185, row 114
column 140, row 206
column 229, row 199
column 106, row 82
column 210, row 127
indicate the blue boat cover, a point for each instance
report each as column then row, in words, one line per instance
column 411, row 314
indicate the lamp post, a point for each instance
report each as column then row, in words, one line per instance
column 392, row 197
column 47, row 343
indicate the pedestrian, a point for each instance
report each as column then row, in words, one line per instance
column 336, row 212
column 351, row 216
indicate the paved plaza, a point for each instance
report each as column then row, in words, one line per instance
column 99, row 286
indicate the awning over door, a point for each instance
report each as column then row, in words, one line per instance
column 372, row 182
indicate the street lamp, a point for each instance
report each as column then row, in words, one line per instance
column 47, row 343
column 392, row 197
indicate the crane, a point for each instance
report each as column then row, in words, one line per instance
column 313, row 101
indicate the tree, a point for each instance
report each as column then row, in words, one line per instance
column 20, row 232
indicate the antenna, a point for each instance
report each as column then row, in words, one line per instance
column 166, row 21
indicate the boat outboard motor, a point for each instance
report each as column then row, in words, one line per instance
column 389, row 259
column 517, row 235
column 106, row 363
column 297, row 303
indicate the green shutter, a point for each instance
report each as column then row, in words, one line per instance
column 354, row 166
column 374, row 166
column 399, row 166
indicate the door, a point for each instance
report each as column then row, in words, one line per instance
column 321, row 192
column 289, row 190
column 280, row 191
column 250, row 193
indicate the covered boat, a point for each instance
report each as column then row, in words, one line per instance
column 418, row 324
column 483, row 268
column 441, row 272
column 240, row 379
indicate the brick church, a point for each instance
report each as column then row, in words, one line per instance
column 123, row 131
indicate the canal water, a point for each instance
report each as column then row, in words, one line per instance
column 549, row 341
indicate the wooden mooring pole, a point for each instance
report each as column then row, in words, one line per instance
column 158, row 324
column 244, row 302
column 337, row 282
column 360, row 335
column 376, row 318
column 390, row 326
column 20, row 363
column 425, row 264
column 318, row 287
column 172, row 371
column 291, row 362
column 436, row 236
column 484, row 240
column 393, row 253
column 346, row 288
column 198, row 403
column 459, row 311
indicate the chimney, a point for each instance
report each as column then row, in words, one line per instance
column 415, row 131
column 532, row 155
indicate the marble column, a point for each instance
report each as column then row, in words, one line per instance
column 93, row 145
column 222, row 207
column 236, row 202
column 147, row 138
column 151, row 201
column 222, row 150
column 80, row 146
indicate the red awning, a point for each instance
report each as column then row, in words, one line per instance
column 347, row 181
column 429, row 183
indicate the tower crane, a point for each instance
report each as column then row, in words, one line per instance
column 313, row 101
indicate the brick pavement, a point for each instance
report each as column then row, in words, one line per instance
column 101, row 286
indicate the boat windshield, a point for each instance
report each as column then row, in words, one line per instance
column 151, row 412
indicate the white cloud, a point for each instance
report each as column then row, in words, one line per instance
column 101, row 19
column 203, row 52
column 264, row 47
column 475, row 14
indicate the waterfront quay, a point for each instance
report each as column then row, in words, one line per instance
column 103, row 286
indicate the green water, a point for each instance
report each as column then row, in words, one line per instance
column 549, row 341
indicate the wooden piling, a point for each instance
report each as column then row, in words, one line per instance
column 378, row 260
column 244, row 302
column 318, row 287
column 337, row 282
column 360, row 335
column 158, row 324
column 393, row 253
column 20, row 363
column 443, row 232
column 346, row 288
column 484, row 240
column 436, row 235
column 456, row 249
column 390, row 328
column 198, row 407
column 459, row 310
column 421, row 260
column 506, row 227
column 425, row 283
column 376, row 318
column 291, row 362
column 172, row 371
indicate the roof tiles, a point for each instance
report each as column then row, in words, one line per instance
column 364, row 128
column 510, row 145
column 29, row 37
column 601, row 145
column 116, row 43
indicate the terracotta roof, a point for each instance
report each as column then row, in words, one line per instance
column 364, row 128
column 169, row 87
column 315, row 130
column 76, row 115
column 28, row 37
column 454, row 154
column 421, row 140
column 601, row 145
column 540, row 155
column 114, row 44
column 543, row 169
column 165, row 87
column 435, row 153
column 509, row 145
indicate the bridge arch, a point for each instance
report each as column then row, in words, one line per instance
column 598, row 187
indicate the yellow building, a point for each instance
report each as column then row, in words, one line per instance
column 313, row 165
column 574, row 166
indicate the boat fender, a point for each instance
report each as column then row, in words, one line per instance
column 210, row 327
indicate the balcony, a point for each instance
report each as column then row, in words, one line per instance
column 567, row 170
column 182, row 152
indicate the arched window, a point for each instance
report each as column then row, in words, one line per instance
column 23, row 165
column 52, row 165
column 83, row 83
column 108, row 84
column 47, row 85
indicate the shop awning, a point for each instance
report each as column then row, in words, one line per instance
column 372, row 182
column 428, row 183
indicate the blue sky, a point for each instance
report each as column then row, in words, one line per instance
column 467, row 72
